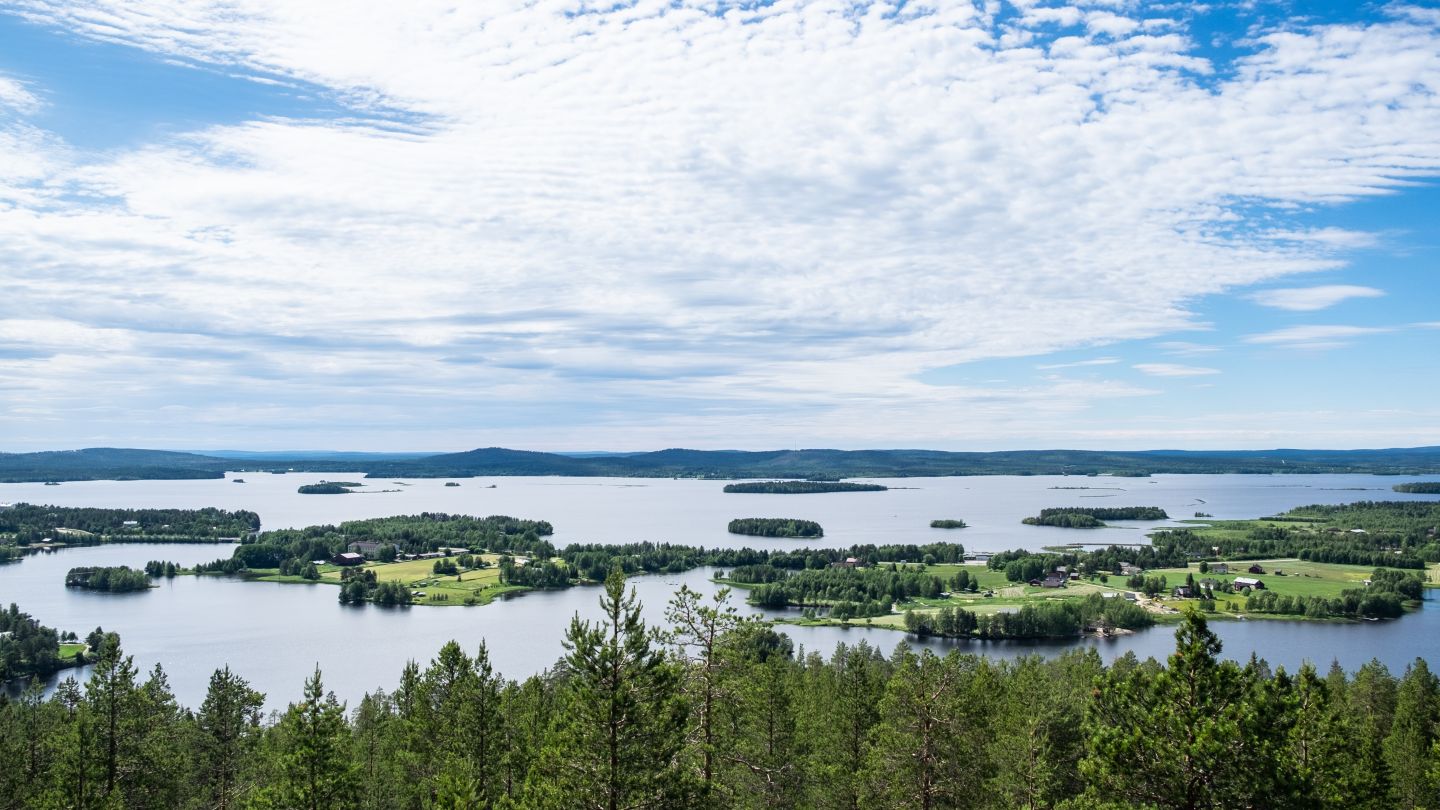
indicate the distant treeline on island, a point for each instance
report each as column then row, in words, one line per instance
column 776, row 527
column 800, row 487
column 1079, row 517
column 328, row 488
column 1419, row 488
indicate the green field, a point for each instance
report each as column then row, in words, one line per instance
column 68, row 651
column 1298, row 578
column 480, row 586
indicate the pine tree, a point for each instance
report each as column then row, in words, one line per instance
column 1178, row 738
column 698, row 632
column 1412, row 736
column 316, row 768
column 228, row 733
column 624, row 717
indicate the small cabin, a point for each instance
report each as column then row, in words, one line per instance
column 1256, row 569
column 1248, row 582
column 1219, row 568
column 1056, row 580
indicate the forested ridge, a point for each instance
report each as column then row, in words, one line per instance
column 719, row 712
column 816, row 464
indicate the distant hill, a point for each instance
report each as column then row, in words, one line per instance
column 111, row 463
column 107, row 463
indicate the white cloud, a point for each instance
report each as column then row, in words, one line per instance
column 1182, row 348
column 1315, row 337
column 1174, row 370
column 17, row 96
column 1099, row 361
column 1310, row 299
column 657, row 217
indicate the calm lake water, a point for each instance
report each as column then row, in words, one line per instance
column 275, row 634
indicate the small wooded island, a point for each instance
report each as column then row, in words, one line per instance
column 328, row 488
column 800, row 487
column 776, row 527
column 1094, row 517
column 109, row 579
column 1419, row 488
column 948, row 524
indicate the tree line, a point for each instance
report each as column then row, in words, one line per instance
column 109, row 578
column 1050, row 619
column 776, row 527
column 25, row 524
column 801, row 487
column 716, row 711
column 1093, row 517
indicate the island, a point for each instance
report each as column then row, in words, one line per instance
column 329, row 488
column 1093, row 517
column 1419, row 488
column 800, row 487
column 108, row 579
column 948, row 524
column 775, row 527
column 27, row 527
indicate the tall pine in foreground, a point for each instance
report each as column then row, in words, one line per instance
column 315, row 762
column 620, row 733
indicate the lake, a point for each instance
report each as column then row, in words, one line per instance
column 274, row 634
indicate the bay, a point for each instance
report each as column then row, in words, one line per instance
column 275, row 634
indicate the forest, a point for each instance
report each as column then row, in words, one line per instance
column 29, row 648
column 1078, row 517
column 327, row 488
column 800, row 487
column 25, row 524
column 776, row 527
column 1419, row 488
column 1049, row 619
column 948, row 523
column 714, row 711
column 110, row 579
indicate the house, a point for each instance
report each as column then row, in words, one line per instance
column 1075, row 576
column 1219, row 568
column 1131, row 596
column 368, row 548
column 848, row 562
column 130, row 524
column 1248, row 582
column 1184, row 592
column 1129, row 569
column 1256, row 569
column 347, row 558
column 1034, row 583
column 1056, row 580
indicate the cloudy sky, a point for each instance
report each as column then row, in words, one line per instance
column 566, row 225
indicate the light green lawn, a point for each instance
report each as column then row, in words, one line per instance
column 479, row 585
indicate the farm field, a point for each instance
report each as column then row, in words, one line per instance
column 479, row 586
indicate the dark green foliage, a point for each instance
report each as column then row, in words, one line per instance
column 26, row 524
column 28, row 647
column 411, row 534
column 111, row 579
column 722, row 713
column 162, row 568
column 1419, row 488
column 1042, row 620
column 327, row 488
column 1077, row 517
column 775, row 527
column 947, row 524
column 801, row 487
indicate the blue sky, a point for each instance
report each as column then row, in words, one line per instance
column 567, row 226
